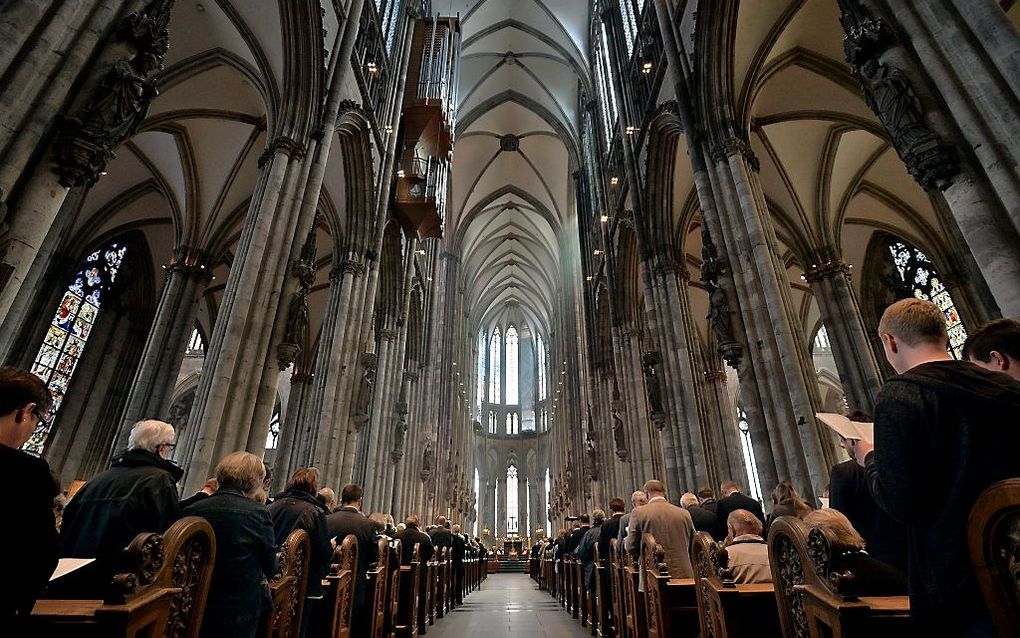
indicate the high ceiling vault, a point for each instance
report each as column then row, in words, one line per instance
column 522, row 63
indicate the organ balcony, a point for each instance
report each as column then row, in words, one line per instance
column 429, row 116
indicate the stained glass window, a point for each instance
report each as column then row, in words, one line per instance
column 492, row 422
column 548, row 487
column 630, row 15
column 495, row 348
column 543, row 381
column 920, row 277
column 750, row 464
column 474, row 531
column 511, row 423
column 273, row 437
column 822, row 343
column 605, row 88
column 69, row 331
column 196, row 344
column 512, row 358
column 512, row 519
column 480, row 393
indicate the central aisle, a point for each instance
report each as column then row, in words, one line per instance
column 508, row 605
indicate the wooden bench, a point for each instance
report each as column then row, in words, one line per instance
column 811, row 592
column 670, row 603
column 375, row 589
column 635, row 618
column 163, row 594
column 616, row 580
column 407, row 593
column 338, row 591
column 601, row 623
column 726, row 609
column 441, row 582
column 288, row 588
column 993, row 536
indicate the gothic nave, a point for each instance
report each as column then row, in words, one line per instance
column 498, row 260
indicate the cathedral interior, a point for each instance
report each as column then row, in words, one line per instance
column 497, row 260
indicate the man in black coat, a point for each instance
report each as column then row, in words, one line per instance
column 137, row 494
column 706, row 499
column 410, row 536
column 348, row 519
column 944, row 431
column 441, row 534
column 31, row 541
column 704, row 519
column 459, row 547
column 849, row 494
column 611, row 527
column 581, row 527
column 732, row 501
column 299, row 508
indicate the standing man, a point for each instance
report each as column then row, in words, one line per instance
column 996, row 347
column 944, row 431
column 732, row 501
column 671, row 526
column 704, row 520
column 637, row 499
column 348, row 519
column 30, row 489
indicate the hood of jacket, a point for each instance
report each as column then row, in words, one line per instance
column 965, row 380
column 145, row 458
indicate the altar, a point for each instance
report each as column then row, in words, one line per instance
column 513, row 546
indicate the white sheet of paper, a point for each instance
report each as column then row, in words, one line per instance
column 67, row 565
column 846, row 428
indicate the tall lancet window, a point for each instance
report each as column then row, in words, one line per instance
column 750, row 464
column 924, row 282
column 543, row 379
column 480, row 394
column 512, row 518
column 70, row 330
column 495, row 350
column 548, row 489
column 512, row 358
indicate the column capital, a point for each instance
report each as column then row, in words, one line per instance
column 282, row 144
column 715, row 375
column 828, row 270
column 723, row 150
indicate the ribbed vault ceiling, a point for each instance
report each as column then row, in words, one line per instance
column 522, row 62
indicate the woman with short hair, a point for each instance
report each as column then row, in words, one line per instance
column 245, row 548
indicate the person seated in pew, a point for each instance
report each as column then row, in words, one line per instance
column 245, row 549
column 299, row 508
column 671, row 526
column 611, row 527
column 871, row 577
column 30, row 492
column 786, row 502
column 585, row 550
column 746, row 551
column 348, row 519
column 704, row 519
column 207, row 490
column 459, row 547
column 137, row 494
column 637, row 499
column 441, row 534
column 411, row 535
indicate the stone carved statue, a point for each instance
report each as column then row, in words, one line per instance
column 713, row 268
column 426, row 462
column 363, row 403
column 399, row 433
column 649, row 361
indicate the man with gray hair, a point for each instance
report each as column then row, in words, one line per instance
column 137, row 494
column 747, row 552
column 637, row 499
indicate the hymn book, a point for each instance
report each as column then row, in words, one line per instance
column 847, row 429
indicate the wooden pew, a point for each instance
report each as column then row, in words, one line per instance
column 135, row 605
column 580, row 593
column 288, row 588
column 450, row 584
column 441, row 582
column 601, row 613
column 993, row 536
column 407, row 590
column 189, row 548
column 338, row 591
column 616, row 576
column 670, row 603
column 636, row 616
column 393, row 583
column 431, row 583
column 375, row 588
column 726, row 609
column 812, row 593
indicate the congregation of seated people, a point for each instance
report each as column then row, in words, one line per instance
column 139, row 494
column 895, row 512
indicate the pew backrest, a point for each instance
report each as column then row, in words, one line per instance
column 189, row 548
column 341, row 581
column 288, row 587
column 993, row 535
column 378, row 574
column 705, row 559
column 788, row 560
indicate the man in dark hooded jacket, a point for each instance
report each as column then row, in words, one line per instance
column 944, row 431
column 137, row 494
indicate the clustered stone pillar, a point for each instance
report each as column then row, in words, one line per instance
column 184, row 283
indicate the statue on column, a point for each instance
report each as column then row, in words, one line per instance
column 713, row 268
column 649, row 361
column 426, row 462
column 363, row 401
column 619, row 435
column 591, row 470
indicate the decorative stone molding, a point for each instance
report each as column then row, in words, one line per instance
column 282, row 144
column 387, row 334
column 930, row 160
column 669, row 107
column 827, row 270
column 722, row 151
column 509, row 143
column 119, row 102
column 715, row 375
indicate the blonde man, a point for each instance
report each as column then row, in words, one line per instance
column 872, row 577
column 944, row 431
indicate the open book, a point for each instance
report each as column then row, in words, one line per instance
column 855, row 430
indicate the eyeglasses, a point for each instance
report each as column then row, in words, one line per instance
column 169, row 445
column 43, row 417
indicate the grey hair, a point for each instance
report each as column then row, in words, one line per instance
column 598, row 517
column 149, row 435
column 242, row 471
column 456, row 529
column 638, row 498
column 688, row 499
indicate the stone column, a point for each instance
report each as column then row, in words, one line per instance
column 293, row 436
column 941, row 77
column 858, row 369
column 184, row 283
